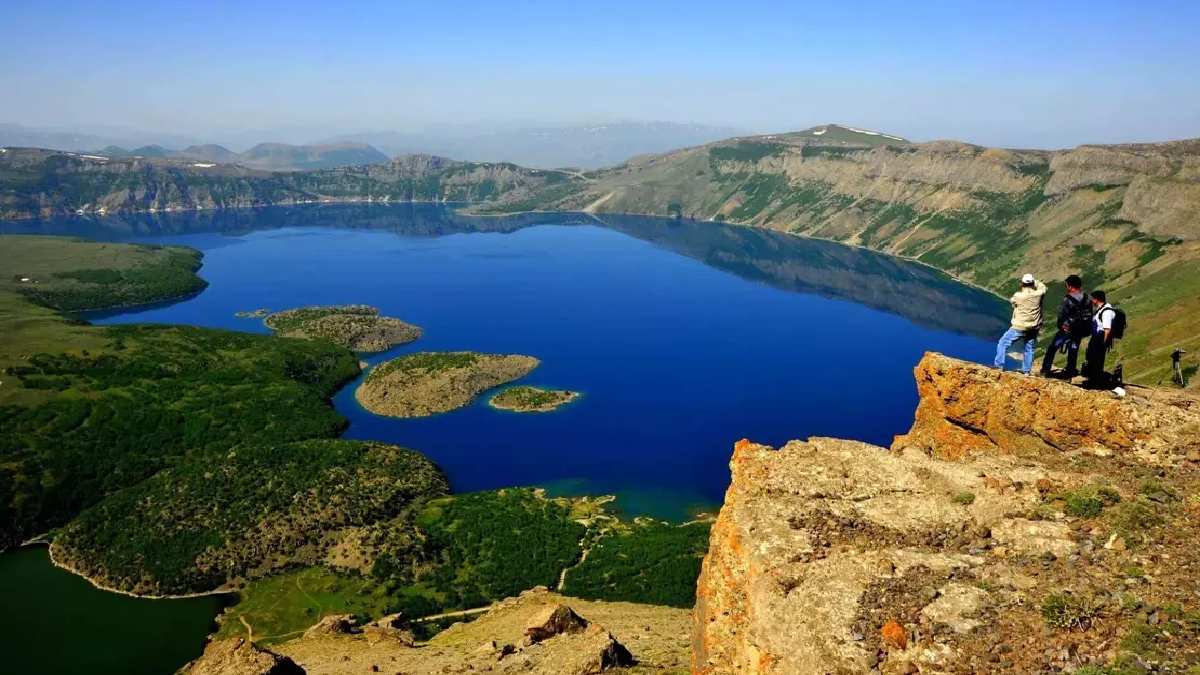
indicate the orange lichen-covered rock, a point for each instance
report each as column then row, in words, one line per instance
column 966, row 408
column 894, row 635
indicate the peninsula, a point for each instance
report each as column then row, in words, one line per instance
column 356, row 327
column 427, row 383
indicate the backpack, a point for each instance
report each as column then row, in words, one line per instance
column 1118, row 322
column 1079, row 316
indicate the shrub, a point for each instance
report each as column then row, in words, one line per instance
column 964, row 498
column 1136, row 516
column 1088, row 501
column 1067, row 611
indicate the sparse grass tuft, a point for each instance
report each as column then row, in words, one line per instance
column 1087, row 501
column 964, row 498
column 1067, row 611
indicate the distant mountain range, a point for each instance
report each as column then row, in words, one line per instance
column 264, row 156
column 549, row 147
column 1123, row 216
column 546, row 147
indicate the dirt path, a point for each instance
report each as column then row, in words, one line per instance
column 249, row 629
column 591, row 208
column 562, row 576
column 449, row 615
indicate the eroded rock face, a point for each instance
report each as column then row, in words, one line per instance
column 834, row 556
column 968, row 409
column 236, row 656
column 808, row 529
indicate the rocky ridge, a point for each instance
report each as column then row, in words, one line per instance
column 538, row 632
column 1022, row 525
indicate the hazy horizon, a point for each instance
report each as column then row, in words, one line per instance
column 1023, row 75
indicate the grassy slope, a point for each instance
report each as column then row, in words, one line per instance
column 800, row 184
column 86, row 411
column 283, row 606
column 71, row 274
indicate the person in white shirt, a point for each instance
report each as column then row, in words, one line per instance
column 1097, row 349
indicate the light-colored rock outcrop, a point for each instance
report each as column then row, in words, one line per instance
column 808, row 529
column 236, row 656
column 538, row 632
column 943, row 553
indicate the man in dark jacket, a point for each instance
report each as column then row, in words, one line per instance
column 1074, row 324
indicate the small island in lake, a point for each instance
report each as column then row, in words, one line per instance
column 356, row 327
column 532, row 399
column 252, row 313
column 427, row 383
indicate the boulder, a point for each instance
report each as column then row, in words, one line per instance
column 391, row 627
column 553, row 620
column 334, row 624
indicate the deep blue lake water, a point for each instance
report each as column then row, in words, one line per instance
column 684, row 337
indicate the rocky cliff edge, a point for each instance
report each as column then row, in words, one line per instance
column 1022, row 525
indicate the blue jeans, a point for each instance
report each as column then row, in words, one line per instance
column 1029, row 337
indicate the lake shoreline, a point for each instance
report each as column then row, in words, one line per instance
column 104, row 587
column 465, row 210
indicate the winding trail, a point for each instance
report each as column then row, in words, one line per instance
column 562, row 576
column 449, row 615
column 249, row 629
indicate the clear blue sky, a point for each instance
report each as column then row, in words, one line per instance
column 1032, row 74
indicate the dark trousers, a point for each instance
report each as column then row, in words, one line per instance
column 1062, row 340
column 1097, row 349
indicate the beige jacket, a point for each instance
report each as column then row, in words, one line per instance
column 1027, row 306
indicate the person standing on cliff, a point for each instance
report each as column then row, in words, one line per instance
column 1026, row 322
column 1102, row 337
column 1074, row 324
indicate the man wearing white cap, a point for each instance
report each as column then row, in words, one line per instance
column 1026, row 322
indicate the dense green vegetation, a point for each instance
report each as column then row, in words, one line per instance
column 481, row 547
column 222, row 515
column 465, row 551
column 152, row 396
column 297, row 319
column 532, row 398
column 651, row 562
column 85, row 411
column 85, row 275
column 426, row 361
